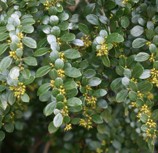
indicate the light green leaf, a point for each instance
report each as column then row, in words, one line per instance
column 93, row 19
column 41, row 51
column 72, row 54
column 121, row 96
column 31, row 61
column 72, row 72
column 74, row 102
column 3, row 36
column 125, row 22
column 25, row 98
column 115, row 38
column 49, row 109
column 137, row 31
column 95, row 81
column 141, row 57
column 139, row 42
column 29, row 42
column 68, row 37
column 42, row 71
column 3, row 48
column 5, row 63
column 58, row 120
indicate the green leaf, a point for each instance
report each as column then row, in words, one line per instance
column 83, row 28
column 115, row 38
column 102, row 103
column 27, row 29
column 145, row 86
column 5, row 63
column 116, row 84
column 68, row 37
column 72, row 102
column 72, row 72
column 2, row 135
column 141, row 57
column 121, row 96
column 29, row 42
column 137, row 31
column 95, row 81
column 93, row 19
column 3, row 48
column 155, row 114
column 3, row 29
column 25, row 98
column 43, row 88
column 139, row 42
column 125, row 22
column 52, row 128
column 41, row 51
column 97, row 119
column 72, row 54
column 146, row 74
column 49, row 109
column 27, row 20
column 42, row 71
column 70, row 84
column 58, row 120
column 3, row 36
column 89, row 73
column 59, row 64
column 100, row 93
column 106, row 61
column 151, row 145
column 31, row 61
column 137, row 70
column 9, row 127
column 116, row 144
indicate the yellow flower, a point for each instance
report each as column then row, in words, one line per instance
column 61, row 73
column 68, row 127
column 61, row 55
column 103, row 50
column 99, row 150
column 18, row 90
column 52, row 65
column 148, row 43
column 20, row 45
column 87, row 122
column 52, row 83
column 65, row 111
column 154, row 76
column 62, row 90
column 91, row 100
column 86, row 40
column 20, row 35
column 13, row 55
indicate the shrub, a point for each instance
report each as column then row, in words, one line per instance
column 93, row 64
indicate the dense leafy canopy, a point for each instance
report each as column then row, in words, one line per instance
column 93, row 64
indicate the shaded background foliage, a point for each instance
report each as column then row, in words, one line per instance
column 78, row 76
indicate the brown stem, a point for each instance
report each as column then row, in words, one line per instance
column 47, row 146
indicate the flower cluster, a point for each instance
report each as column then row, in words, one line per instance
column 86, row 40
column 150, row 131
column 61, row 73
column 154, row 76
column 50, row 3
column 18, row 90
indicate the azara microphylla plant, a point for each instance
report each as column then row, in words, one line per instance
column 78, row 76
